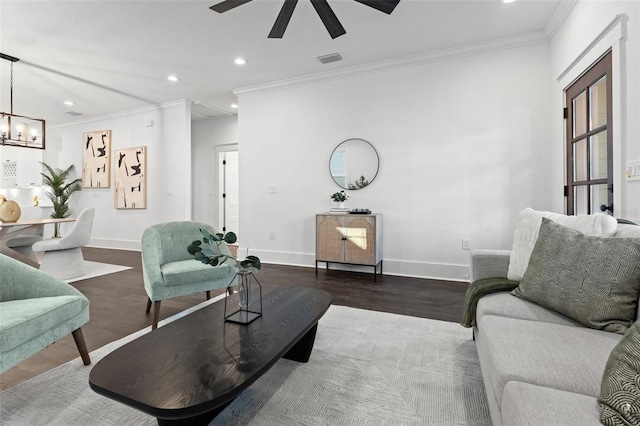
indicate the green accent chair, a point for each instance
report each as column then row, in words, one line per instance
column 169, row 270
column 35, row 311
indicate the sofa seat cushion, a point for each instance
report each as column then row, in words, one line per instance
column 191, row 271
column 566, row 358
column 524, row 404
column 504, row 304
column 22, row 320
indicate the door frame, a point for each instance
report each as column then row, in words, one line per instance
column 596, row 71
column 612, row 37
column 218, row 149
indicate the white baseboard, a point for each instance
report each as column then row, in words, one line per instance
column 436, row 271
column 115, row 244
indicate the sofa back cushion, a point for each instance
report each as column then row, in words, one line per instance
column 594, row 280
column 526, row 234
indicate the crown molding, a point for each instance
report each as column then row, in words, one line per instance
column 407, row 61
column 171, row 104
column 558, row 17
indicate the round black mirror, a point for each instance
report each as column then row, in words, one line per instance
column 354, row 164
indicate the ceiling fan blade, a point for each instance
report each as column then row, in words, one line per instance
column 228, row 5
column 385, row 6
column 329, row 19
column 283, row 19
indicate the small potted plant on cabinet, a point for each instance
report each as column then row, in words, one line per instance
column 339, row 198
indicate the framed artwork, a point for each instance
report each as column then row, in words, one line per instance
column 131, row 178
column 96, row 159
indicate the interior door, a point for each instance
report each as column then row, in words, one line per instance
column 589, row 141
column 229, row 192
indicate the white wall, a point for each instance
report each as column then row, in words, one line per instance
column 168, row 142
column 206, row 135
column 463, row 143
column 592, row 28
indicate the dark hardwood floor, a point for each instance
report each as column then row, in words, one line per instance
column 118, row 303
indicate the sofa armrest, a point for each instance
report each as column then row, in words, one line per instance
column 489, row 263
column 20, row 281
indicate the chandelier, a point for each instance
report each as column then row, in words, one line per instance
column 20, row 130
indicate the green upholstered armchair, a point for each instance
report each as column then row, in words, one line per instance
column 35, row 311
column 170, row 271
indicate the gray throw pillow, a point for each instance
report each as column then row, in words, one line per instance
column 620, row 390
column 594, row 280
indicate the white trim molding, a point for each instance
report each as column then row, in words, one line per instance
column 164, row 105
column 612, row 37
column 407, row 61
column 403, row 268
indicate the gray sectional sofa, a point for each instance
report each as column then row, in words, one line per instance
column 539, row 366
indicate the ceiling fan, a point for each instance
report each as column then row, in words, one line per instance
column 326, row 14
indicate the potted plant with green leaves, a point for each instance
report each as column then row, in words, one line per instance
column 207, row 250
column 212, row 254
column 60, row 191
column 339, row 197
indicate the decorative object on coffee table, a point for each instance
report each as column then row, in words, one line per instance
column 243, row 308
column 245, row 305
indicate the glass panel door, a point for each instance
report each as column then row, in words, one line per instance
column 589, row 142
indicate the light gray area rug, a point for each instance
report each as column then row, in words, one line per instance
column 96, row 269
column 367, row 368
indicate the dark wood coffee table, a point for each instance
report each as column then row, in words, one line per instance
column 188, row 371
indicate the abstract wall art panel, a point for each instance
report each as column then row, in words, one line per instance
column 96, row 159
column 131, row 178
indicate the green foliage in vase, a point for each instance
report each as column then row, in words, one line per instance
column 60, row 191
column 210, row 256
column 339, row 197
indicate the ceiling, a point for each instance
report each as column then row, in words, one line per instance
column 112, row 56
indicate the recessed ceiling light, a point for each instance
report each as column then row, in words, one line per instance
column 68, row 103
column 508, row 1
column 240, row 61
column 234, row 106
column 173, row 78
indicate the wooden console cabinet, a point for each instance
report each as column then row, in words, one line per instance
column 350, row 239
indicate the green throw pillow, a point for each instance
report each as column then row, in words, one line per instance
column 620, row 390
column 594, row 280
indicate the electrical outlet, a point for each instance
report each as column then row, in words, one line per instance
column 466, row 243
column 272, row 234
column 273, row 189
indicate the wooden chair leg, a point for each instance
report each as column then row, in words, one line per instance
column 148, row 305
column 208, row 294
column 82, row 346
column 156, row 314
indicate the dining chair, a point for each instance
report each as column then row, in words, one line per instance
column 62, row 257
